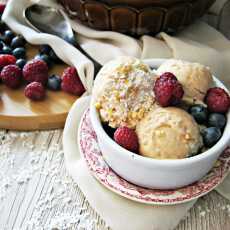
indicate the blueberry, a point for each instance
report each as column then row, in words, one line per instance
column 19, row 52
column 2, row 26
column 109, row 130
column 37, row 57
column 217, row 120
column 18, row 41
column 54, row 57
column 45, row 49
column 4, row 39
column 9, row 33
column 6, row 50
column 8, row 36
column 1, row 51
column 45, row 58
column 210, row 136
column 200, row 113
column 20, row 63
column 54, row 82
column 1, row 45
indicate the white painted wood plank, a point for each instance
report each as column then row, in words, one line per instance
column 19, row 205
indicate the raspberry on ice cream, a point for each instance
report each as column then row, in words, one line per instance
column 11, row 76
column 127, row 138
column 6, row 59
column 218, row 100
column 168, row 90
column 71, row 82
column 35, row 91
column 36, row 70
column 195, row 78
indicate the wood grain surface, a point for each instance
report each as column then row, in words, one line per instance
column 19, row 113
column 33, row 173
column 36, row 191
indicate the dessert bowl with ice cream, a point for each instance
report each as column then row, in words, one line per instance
column 162, row 128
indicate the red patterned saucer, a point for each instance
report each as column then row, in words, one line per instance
column 99, row 168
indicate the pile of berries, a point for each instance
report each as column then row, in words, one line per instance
column 213, row 116
column 15, row 70
column 169, row 92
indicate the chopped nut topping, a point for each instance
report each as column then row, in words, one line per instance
column 143, row 67
column 187, row 137
column 128, row 95
column 124, row 69
column 98, row 105
column 160, row 133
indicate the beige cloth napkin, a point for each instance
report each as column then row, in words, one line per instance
column 199, row 42
column 218, row 6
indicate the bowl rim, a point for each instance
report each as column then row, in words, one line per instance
column 218, row 147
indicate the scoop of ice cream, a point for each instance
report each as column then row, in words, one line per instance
column 195, row 78
column 168, row 133
column 123, row 91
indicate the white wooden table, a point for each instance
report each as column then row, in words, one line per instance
column 37, row 193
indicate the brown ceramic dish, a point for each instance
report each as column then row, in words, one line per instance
column 136, row 17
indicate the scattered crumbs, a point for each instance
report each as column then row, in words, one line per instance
column 11, row 160
column 23, row 177
column 223, row 207
column 67, row 200
column 202, row 213
column 228, row 210
column 57, row 208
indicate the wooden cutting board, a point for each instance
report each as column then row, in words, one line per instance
column 19, row 113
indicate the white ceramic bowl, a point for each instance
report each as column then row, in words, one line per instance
column 153, row 173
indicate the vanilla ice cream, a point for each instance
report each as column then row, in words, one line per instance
column 195, row 78
column 168, row 133
column 123, row 91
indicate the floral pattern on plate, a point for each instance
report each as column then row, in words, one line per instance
column 99, row 168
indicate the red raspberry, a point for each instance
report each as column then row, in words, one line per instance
column 36, row 70
column 11, row 76
column 2, row 8
column 6, row 59
column 168, row 90
column 35, row 91
column 71, row 82
column 127, row 138
column 218, row 100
